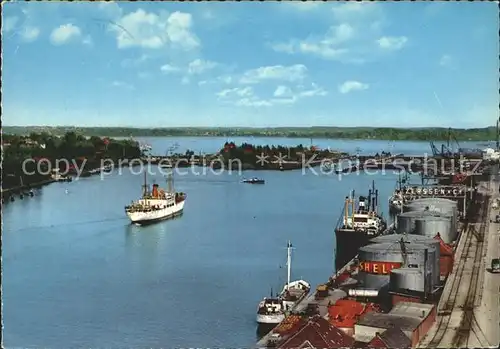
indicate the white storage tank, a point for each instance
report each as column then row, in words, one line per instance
column 430, row 226
column 444, row 206
column 413, row 238
column 405, row 222
column 433, row 204
column 377, row 261
column 409, row 279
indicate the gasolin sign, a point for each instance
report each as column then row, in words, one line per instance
column 381, row 268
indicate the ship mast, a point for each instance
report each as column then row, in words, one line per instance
column 145, row 191
column 289, row 263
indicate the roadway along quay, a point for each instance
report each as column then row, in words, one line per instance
column 468, row 311
column 487, row 311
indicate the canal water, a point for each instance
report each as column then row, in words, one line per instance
column 76, row 273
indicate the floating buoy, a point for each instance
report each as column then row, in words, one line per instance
column 66, row 191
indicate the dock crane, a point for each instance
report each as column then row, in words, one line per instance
column 446, row 149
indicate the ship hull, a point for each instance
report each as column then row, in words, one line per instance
column 348, row 242
column 274, row 319
column 395, row 208
column 145, row 218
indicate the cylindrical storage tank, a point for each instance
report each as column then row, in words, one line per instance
column 376, row 261
column 433, row 204
column 430, row 226
column 407, row 279
column 405, row 223
column 444, row 206
column 419, row 239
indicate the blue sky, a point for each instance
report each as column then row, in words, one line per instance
column 250, row 64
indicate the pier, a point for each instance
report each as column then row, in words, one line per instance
column 469, row 311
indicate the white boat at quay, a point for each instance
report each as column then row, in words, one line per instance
column 157, row 204
column 272, row 311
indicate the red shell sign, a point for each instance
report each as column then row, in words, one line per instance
column 380, row 268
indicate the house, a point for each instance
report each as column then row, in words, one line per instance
column 317, row 333
column 413, row 319
column 391, row 338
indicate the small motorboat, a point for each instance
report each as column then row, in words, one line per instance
column 254, row 181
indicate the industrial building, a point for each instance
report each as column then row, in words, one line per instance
column 391, row 338
column 430, row 216
column 413, row 319
column 376, row 262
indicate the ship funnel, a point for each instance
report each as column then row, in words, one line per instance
column 155, row 190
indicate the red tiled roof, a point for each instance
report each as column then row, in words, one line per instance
column 376, row 342
column 317, row 333
column 345, row 313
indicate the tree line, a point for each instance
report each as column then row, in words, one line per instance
column 248, row 153
column 376, row 133
column 71, row 146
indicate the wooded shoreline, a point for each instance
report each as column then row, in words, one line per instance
column 366, row 133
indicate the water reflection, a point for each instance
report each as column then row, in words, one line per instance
column 152, row 236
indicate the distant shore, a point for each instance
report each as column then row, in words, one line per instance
column 486, row 134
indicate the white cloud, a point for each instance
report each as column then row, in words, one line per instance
column 29, row 34
column 242, row 97
column 351, row 85
column 282, row 91
column 225, row 79
column 64, row 34
column 245, row 96
column 237, row 91
column 199, row 66
column 149, row 30
column 277, row 72
column 392, row 42
column 355, row 10
column 350, row 39
column 87, row 40
column 314, row 91
column 304, row 5
column 110, row 9
column 252, row 102
column 168, row 68
column 286, row 47
column 447, row 61
column 122, row 84
column 300, row 92
column 196, row 67
column 326, row 46
column 9, row 23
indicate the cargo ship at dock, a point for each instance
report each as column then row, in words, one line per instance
column 386, row 295
column 271, row 311
column 359, row 222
